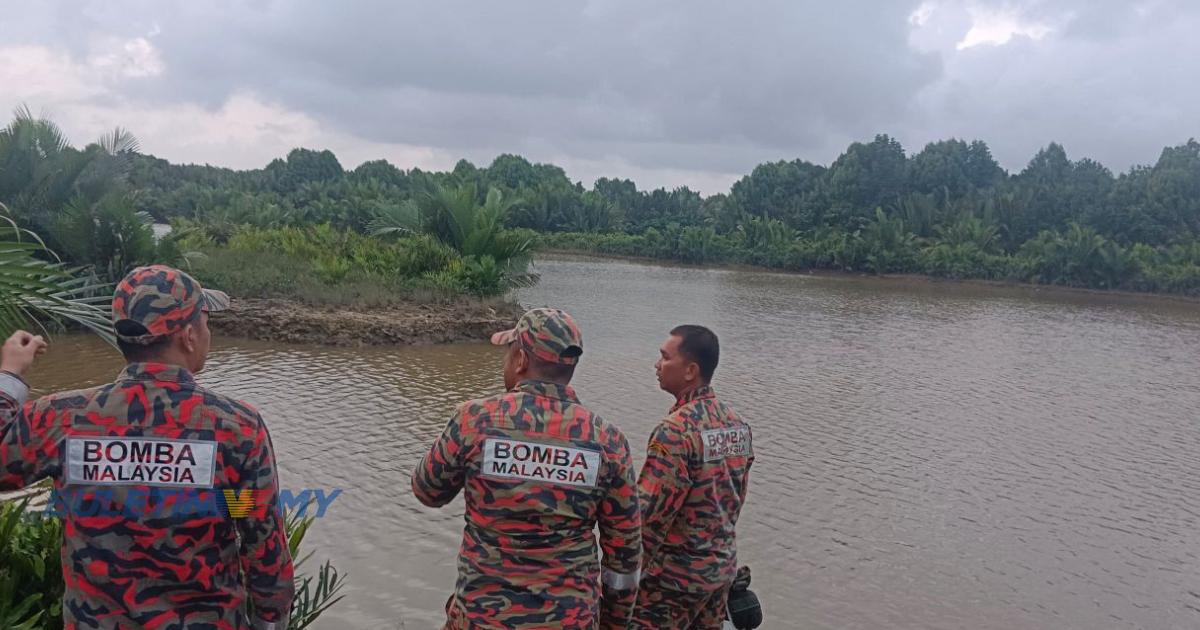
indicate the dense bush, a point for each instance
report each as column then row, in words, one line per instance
column 322, row 264
column 1076, row 256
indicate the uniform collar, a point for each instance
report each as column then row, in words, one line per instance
column 704, row 391
column 161, row 372
column 547, row 390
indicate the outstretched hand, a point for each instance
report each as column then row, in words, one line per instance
column 19, row 351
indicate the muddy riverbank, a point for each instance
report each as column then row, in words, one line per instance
column 397, row 324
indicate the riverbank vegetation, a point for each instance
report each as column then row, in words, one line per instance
column 305, row 226
column 90, row 206
column 948, row 210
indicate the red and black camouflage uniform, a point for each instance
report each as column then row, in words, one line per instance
column 539, row 472
column 149, row 556
column 691, row 489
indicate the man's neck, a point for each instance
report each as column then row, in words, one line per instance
column 169, row 359
column 689, row 390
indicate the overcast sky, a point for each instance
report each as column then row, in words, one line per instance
column 669, row 93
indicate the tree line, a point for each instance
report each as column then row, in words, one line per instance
column 947, row 210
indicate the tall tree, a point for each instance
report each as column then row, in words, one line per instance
column 782, row 190
column 865, row 177
column 955, row 166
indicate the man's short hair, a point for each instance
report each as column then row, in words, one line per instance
column 700, row 345
column 139, row 352
column 560, row 372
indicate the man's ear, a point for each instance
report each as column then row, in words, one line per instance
column 188, row 339
column 522, row 364
column 692, row 371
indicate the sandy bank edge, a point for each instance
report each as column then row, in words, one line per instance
column 287, row 321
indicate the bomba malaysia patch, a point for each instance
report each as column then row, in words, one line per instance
column 140, row 461
column 546, row 463
column 722, row 443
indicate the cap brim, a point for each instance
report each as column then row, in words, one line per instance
column 503, row 338
column 215, row 301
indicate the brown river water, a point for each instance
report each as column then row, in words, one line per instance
column 928, row 455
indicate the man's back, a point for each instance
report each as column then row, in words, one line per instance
column 141, row 470
column 539, row 472
column 692, row 490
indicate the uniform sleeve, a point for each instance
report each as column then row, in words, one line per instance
column 266, row 560
column 19, row 443
column 749, row 464
column 663, row 485
column 443, row 471
column 620, row 540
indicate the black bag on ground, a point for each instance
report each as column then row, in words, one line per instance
column 744, row 609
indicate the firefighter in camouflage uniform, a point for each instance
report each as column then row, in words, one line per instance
column 539, row 472
column 138, row 466
column 692, row 488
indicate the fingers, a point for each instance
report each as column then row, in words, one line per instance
column 24, row 340
column 20, row 350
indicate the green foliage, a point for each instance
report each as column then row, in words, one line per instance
column 401, row 218
column 324, row 265
column 303, row 166
column 1078, row 257
column 314, row 594
column 865, row 177
column 787, row 191
column 47, row 184
column 953, row 166
column 35, row 292
column 967, row 229
column 763, row 233
column 31, row 585
column 948, row 210
column 495, row 259
column 889, row 245
column 110, row 236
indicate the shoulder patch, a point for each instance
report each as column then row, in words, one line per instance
column 726, row 442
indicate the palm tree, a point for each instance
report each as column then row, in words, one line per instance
column 454, row 216
column 110, row 235
column 399, row 218
column 764, row 233
column 40, row 172
column 74, row 198
column 36, row 164
column 476, row 231
column 34, row 291
column 968, row 229
column 889, row 243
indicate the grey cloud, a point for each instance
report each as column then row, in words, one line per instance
column 704, row 86
column 1111, row 83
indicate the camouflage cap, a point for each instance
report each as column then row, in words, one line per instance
column 549, row 334
column 156, row 301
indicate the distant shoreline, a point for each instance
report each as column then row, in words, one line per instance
column 909, row 279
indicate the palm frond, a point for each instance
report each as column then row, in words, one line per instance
column 119, row 141
column 404, row 218
column 34, row 292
